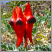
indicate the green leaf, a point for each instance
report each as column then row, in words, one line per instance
column 1, row 42
column 36, row 48
column 3, row 46
column 49, row 49
column 44, row 49
column 47, row 10
column 48, row 25
column 41, row 48
column 10, row 48
column 35, row 24
column 34, row 30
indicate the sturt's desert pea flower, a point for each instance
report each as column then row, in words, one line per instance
column 22, row 24
column 18, row 23
column 30, row 20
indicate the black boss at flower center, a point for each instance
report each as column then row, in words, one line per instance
column 19, row 22
column 32, row 20
column 11, row 23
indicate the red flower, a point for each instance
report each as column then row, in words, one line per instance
column 22, row 24
column 30, row 19
column 18, row 23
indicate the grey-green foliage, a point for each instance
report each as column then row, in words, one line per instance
column 13, row 47
column 41, row 20
column 5, row 25
column 42, row 48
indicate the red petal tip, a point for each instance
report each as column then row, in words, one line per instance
column 28, row 10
